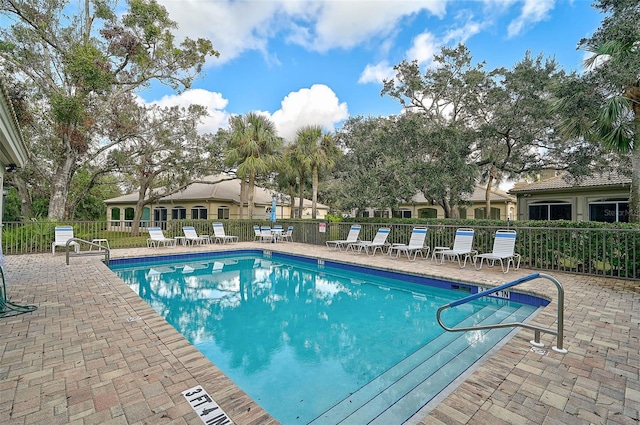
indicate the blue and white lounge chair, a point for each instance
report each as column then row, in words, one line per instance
column 62, row 236
column 220, row 235
column 352, row 237
column 462, row 248
column 504, row 246
column 192, row 237
column 256, row 231
column 415, row 246
column 266, row 235
column 156, row 237
column 288, row 235
column 370, row 247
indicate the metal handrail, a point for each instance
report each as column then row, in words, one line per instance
column 559, row 332
column 107, row 251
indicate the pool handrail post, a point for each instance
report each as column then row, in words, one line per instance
column 559, row 332
column 102, row 250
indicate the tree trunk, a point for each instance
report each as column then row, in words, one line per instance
column 447, row 208
column 314, row 196
column 60, row 188
column 250, row 192
column 292, row 200
column 487, row 197
column 454, row 211
column 137, row 212
column 300, row 202
column 243, row 194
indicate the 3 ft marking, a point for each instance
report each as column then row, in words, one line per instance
column 206, row 408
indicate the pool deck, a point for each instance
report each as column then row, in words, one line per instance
column 95, row 353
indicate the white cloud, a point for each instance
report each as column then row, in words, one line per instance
column 237, row 26
column 533, row 11
column 462, row 34
column 317, row 105
column 344, row 24
column 376, row 73
column 423, row 47
column 214, row 102
column 233, row 26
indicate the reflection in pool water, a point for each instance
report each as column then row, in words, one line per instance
column 300, row 339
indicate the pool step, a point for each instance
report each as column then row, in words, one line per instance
column 398, row 393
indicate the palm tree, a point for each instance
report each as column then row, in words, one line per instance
column 314, row 151
column 618, row 124
column 287, row 178
column 253, row 149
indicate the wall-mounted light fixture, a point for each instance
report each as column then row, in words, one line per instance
column 11, row 168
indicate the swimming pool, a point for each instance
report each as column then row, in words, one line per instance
column 317, row 341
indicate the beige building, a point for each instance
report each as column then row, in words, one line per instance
column 217, row 200
column 599, row 197
column 503, row 207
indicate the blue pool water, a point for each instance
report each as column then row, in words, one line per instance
column 325, row 344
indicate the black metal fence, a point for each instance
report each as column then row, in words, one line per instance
column 592, row 251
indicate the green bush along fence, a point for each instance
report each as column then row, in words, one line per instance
column 613, row 252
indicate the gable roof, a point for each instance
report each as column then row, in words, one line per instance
column 220, row 187
column 563, row 181
column 478, row 195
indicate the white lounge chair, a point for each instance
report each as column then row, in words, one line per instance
column 504, row 245
column 156, row 237
column 256, row 230
column 288, row 235
column 462, row 248
column 370, row 247
column 221, row 236
column 62, row 235
column 192, row 237
column 352, row 237
column 415, row 246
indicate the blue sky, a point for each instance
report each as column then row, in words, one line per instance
column 318, row 62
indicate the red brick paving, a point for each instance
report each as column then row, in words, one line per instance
column 94, row 352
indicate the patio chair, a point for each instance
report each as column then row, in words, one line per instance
column 288, row 235
column 415, row 246
column 462, row 248
column 256, row 230
column 220, row 235
column 504, row 245
column 277, row 231
column 192, row 237
column 352, row 237
column 62, row 235
column 266, row 235
column 378, row 242
column 156, row 237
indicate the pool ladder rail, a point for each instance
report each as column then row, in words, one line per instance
column 102, row 250
column 559, row 332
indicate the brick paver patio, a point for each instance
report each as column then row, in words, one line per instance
column 95, row 353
